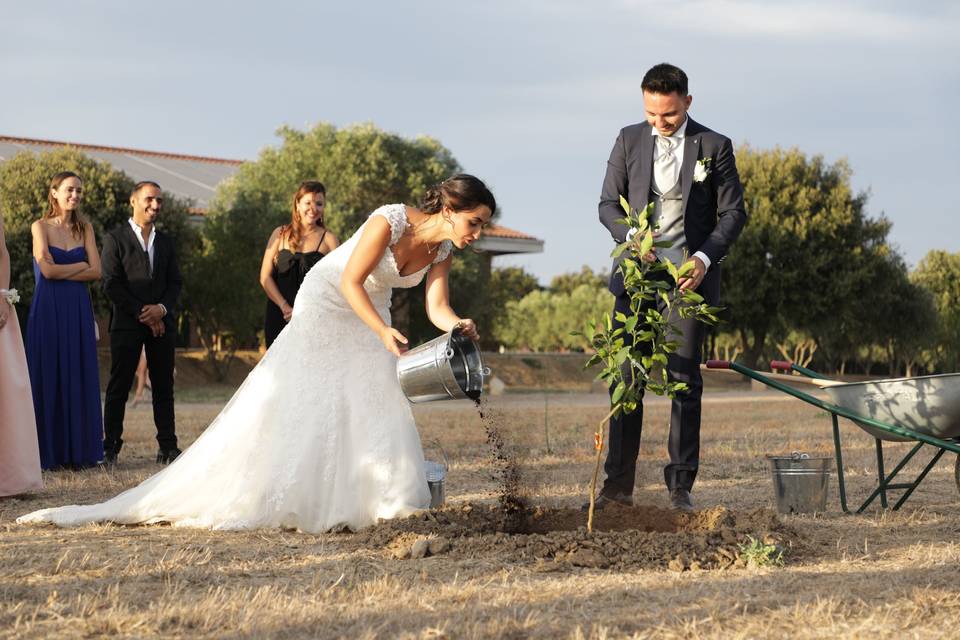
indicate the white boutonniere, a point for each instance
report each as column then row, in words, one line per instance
column 701, row 170
column 10, row 295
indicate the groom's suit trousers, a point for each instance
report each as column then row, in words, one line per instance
column 684, row 440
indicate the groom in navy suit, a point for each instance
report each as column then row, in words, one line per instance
column 689, row 173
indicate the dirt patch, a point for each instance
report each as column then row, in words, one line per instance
column 556, row 539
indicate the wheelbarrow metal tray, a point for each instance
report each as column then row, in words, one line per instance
column 925, row 404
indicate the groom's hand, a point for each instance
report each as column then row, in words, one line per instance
column 693, row 278
column 649, row 256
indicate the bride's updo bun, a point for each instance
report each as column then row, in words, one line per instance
column 461, row 192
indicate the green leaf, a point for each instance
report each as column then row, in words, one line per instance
column 618, row 392
column 646, row 243
column 672, row 269
column 622, row 355
column 625, row 205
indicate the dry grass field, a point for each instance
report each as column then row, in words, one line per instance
column 878, row 575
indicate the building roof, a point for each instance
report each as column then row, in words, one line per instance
column 499, row 240
column 196, row 178
column 191, row 177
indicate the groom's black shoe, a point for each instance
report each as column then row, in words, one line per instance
column 109, row 458
column 166, row 456
column 603, row 500
column 680, row 500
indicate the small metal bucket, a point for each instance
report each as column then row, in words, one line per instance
column 800, row 482
column 447, row 367
column 436, row 473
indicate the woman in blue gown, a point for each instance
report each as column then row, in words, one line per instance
column 61, row 339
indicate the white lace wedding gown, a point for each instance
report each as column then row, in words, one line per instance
column 318, row 435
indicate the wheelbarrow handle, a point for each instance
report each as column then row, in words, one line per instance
column 781, row 365
column 718, row 364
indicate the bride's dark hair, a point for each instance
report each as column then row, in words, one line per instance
column 461, row 192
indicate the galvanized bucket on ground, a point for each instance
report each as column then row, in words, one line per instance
column 800, row 482
column 447, row 367
column 436, row 475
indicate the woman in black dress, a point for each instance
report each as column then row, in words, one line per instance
column 291, row 251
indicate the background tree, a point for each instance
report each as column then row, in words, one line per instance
column 567, row 282
column 363, row 168
column 911, row 328
column 939, row 274
column 507, row 284
column 806, row 257
column 24, row 182
column 546, row 320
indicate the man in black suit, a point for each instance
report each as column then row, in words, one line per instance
column 689, row 173
column 142, row 279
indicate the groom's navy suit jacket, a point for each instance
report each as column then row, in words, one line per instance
column 713, row 209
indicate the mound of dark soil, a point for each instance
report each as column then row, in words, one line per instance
column 557, row 539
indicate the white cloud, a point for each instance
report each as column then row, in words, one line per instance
column 806, row 20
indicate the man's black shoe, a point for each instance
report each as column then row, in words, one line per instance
column 109, row 458
column 680, row 500
column 166, row 456
column 604, row 499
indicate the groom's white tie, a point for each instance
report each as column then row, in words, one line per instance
column 666, row 168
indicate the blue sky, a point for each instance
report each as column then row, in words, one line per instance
column 529, row 95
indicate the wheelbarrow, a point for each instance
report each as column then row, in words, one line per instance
column 924, row 410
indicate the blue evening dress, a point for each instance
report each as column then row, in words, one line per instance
column 62, row 358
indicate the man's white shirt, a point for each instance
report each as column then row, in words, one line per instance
column 147, row 247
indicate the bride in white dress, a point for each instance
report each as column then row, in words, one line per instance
column 320, row 434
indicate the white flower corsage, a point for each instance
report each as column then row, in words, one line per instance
column 10, row 295
column 701, row 170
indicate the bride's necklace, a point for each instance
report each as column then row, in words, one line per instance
column 413, row 233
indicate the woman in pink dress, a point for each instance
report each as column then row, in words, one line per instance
column 19, row 453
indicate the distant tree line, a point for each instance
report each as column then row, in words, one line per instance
column 223, row 304
column 812, row 278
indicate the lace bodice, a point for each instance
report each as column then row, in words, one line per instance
column 396, row 215
column 322, row 284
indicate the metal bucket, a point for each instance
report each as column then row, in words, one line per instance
column 447, row 367
column 436, row 473
column 800, row 482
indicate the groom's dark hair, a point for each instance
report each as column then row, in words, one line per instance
column 665, row 79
